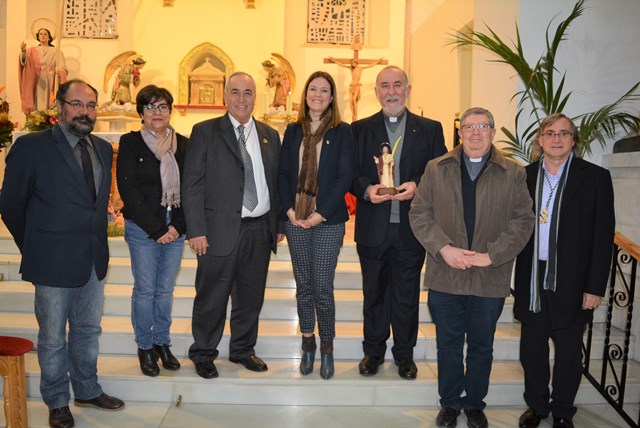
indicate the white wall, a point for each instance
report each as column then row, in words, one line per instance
column 601, row 55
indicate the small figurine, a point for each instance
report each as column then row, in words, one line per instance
column 385, row 164
column 281, row 77
column 129, row 64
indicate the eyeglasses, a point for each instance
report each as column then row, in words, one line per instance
column 79, row 105
column 482, row 127
column 562, row 134
column 162, row 108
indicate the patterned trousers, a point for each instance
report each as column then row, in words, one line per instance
column 314, row 255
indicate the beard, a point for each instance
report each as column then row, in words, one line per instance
column 80, row 125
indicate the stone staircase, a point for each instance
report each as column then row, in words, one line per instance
column 278, row 344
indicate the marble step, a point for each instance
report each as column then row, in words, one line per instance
column 280, row 275
column 279, row 339
column 118, row 248
column 282, row 384
column 279, row 304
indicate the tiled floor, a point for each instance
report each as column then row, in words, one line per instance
column 227, row 416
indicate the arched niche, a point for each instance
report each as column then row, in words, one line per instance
column 202, row 54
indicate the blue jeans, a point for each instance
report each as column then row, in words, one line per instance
column 457, row 317
column 154, row 267
column 76, row 358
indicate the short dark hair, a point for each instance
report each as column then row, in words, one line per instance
column 150, row 94
column 64, row 88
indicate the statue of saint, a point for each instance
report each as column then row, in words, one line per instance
column 280, row 77
column 128, row 75
column 39, row 67
column 129, row 65
column 385, row 165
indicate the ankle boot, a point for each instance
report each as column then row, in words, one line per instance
column 308, row 354
column 326, row 359
column 169, row 362
column 148, row 363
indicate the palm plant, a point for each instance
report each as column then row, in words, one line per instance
column 542, row 96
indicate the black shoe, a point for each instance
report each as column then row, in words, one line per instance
column 206, row 369
column 562, row 422
column 326, row 366
column 169, row 362
column 476, row 418
column 61, row 418
column 251, row 362
column 148, row 363
column 369, row 365
column 530, row 419
column 447, row 417
column 102, row 402
column 407, row 368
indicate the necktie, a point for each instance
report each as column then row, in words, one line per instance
column 250, row 197
column 87, row 167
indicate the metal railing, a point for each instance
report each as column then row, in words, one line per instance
column 611, row 378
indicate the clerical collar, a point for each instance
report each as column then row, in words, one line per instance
column 393, row 119
column 480, row 160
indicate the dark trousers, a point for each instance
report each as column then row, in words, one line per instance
column 458, row 318
column 242, row 274
column 391, row 287
column 534, row 356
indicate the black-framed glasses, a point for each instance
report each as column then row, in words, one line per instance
column 162, row 108
column 79, row 105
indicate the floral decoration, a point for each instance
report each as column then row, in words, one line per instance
column 40, row 120
column 6, row 125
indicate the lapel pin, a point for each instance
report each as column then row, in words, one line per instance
column 328, row 142
column 265, row 141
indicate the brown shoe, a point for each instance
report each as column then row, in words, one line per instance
column 61, row 418
column 102, row 402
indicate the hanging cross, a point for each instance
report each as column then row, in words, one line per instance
column 356, row 65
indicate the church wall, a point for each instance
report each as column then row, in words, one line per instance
column 447, row 79
column 601, row 63
column 3, row 47
column 164, row 35
column 384, row 38
column 601, row 54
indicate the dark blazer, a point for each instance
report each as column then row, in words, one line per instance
column 138, row 177
column 335, row 171
column 213, row 181
column 423, row 141
column 585, row 244
column 46, row 205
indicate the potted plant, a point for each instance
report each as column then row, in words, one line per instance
column 544, row 92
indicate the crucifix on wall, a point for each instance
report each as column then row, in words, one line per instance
column 356, row 65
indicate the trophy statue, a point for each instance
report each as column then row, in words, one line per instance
column 385, row 164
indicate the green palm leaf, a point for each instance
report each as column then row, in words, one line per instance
column 541, row 96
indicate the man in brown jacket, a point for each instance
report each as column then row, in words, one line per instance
column 472, row 213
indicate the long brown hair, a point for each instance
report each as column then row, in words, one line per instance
column 303, row 111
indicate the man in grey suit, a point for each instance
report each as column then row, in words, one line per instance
column 230, row 202
column 54, row 202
